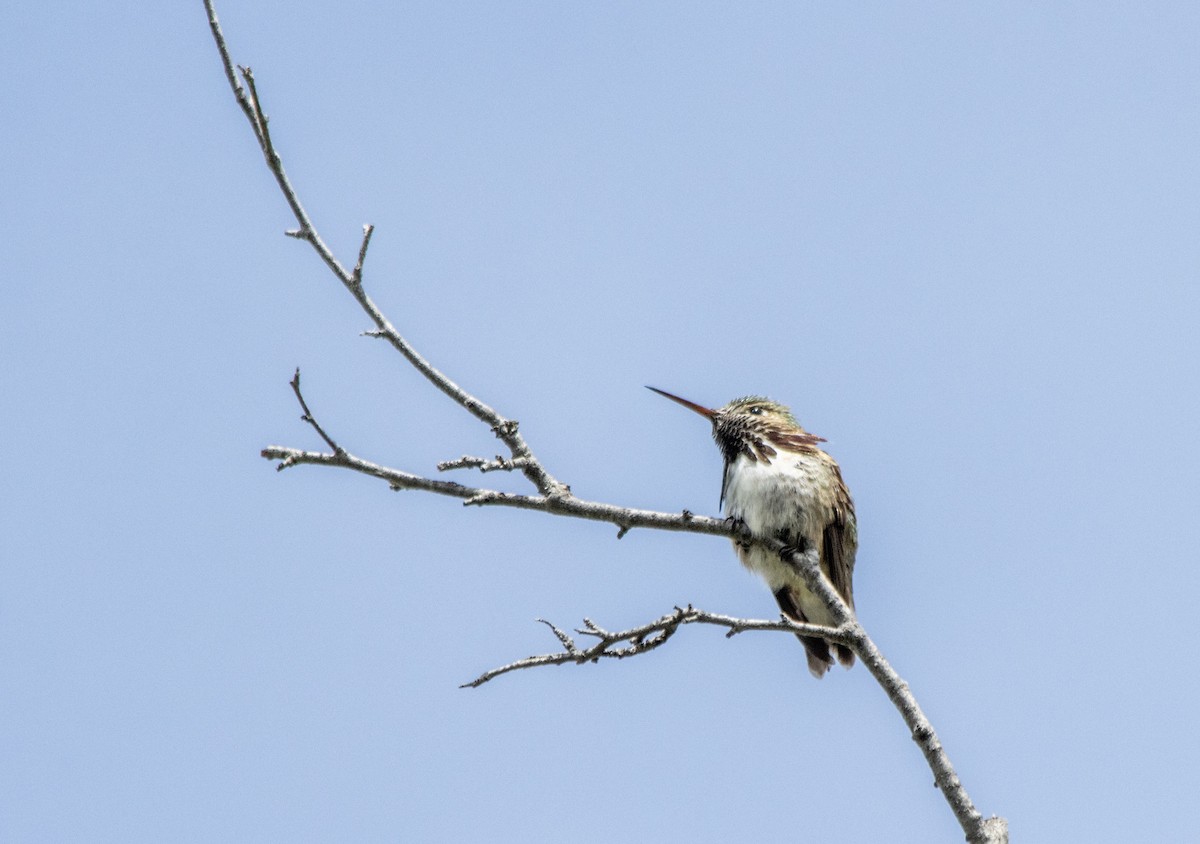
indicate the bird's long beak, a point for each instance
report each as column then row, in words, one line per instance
column 707, row 413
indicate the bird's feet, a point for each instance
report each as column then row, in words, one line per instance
column 742, row 531
column 791, row 544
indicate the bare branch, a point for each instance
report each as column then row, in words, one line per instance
column 505, row 429
column 923, row 734
column 647, row 637
column 807, row 564
column 238, row 92
column 556, row 498
column 565, row 505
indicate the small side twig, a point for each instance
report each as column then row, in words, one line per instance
column 310, row 419
column 356, row 275
column 499, row 464
column 567, row 642
column 261, row 121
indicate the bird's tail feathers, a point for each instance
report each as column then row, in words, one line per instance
column 820, row 659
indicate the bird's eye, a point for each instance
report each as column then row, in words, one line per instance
column 756, row 410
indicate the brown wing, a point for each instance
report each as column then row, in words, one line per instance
column 798, row 441
column 837, row 553
column 839, row 544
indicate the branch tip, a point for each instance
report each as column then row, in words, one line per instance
column 356, row 275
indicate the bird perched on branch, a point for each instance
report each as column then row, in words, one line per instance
column 781, row 485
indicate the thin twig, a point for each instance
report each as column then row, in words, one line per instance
column 566, row 641
column 356, row 276
column 308, row 416
column 261, row 127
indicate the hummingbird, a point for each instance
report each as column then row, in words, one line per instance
column 781, row 485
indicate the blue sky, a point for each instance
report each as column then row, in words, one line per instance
column 959, row 240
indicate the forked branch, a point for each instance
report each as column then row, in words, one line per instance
column 553, row 496
column 251, row 104
column 649, row 636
